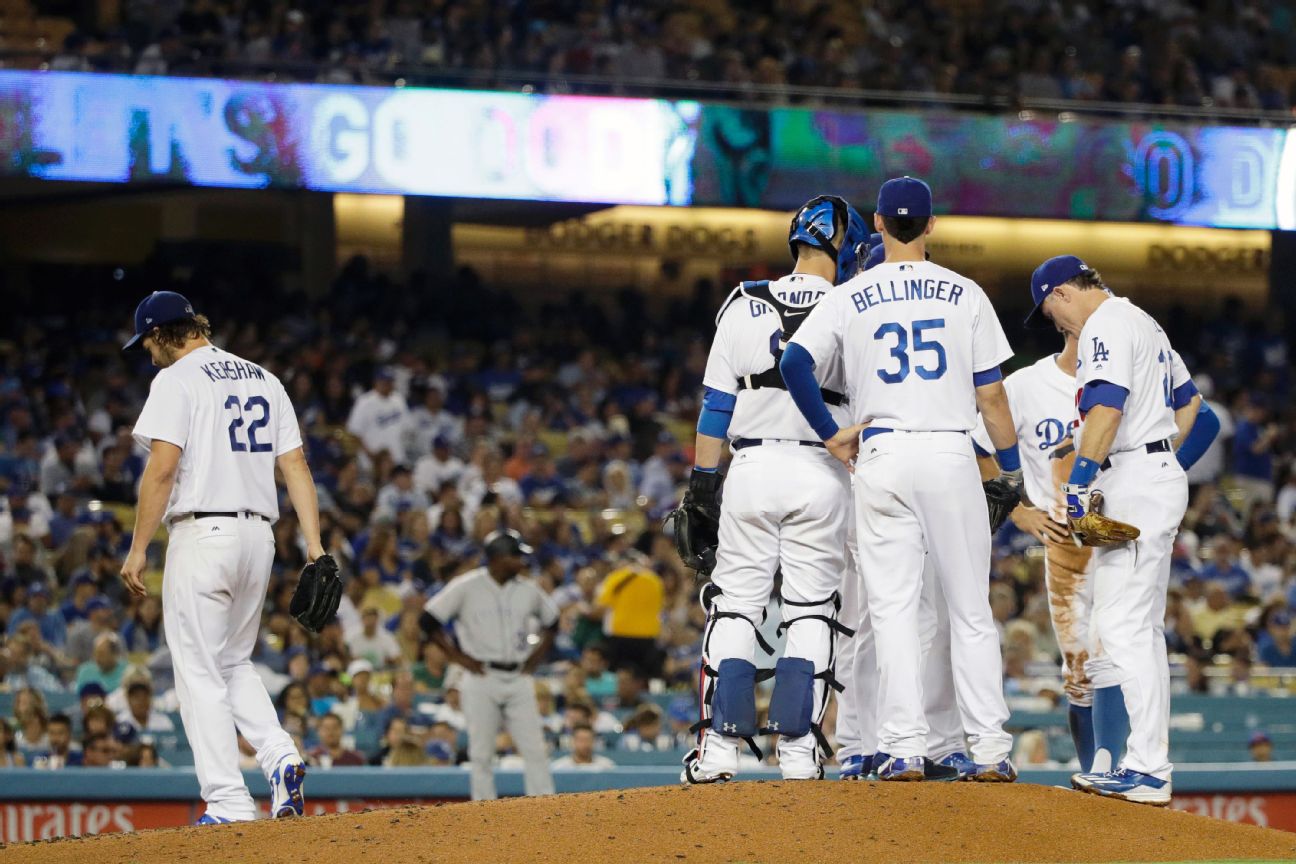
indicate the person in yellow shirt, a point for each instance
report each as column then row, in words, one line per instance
column 632, row 598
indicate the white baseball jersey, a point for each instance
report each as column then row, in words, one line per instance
column 747, row 335
column 1122, row 345
column 492, row 622
column 231, row 419
column 1041, row 398
column 912, row 335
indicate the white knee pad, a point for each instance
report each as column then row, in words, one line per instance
column 725, row 644
column 800, row 692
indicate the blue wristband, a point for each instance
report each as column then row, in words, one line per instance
column 702, row 470
column 1083, row 472
column 1009, row 458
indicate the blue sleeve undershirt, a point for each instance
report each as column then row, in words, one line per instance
column 797, row 367
column 1103, row 393
column 717, row 411
column 1199, row 437
column 1183, row 394
column 987, row 376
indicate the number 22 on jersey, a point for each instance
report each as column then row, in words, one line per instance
column 253, row 403
column 930, row 369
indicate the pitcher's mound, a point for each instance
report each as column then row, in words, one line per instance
column 756, row 822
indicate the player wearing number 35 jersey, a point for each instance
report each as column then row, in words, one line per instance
column 216, row 426
column 921, row 347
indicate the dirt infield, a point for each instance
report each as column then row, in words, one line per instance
column 763, row 822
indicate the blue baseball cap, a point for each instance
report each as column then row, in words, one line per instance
column 160, row 307
column 905, row 196
column 1054, row 272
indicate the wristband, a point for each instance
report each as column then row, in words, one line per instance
column 1084, row 471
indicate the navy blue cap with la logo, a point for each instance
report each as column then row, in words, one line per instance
column 160, row 307
column 1056, row 271
column 905, row 196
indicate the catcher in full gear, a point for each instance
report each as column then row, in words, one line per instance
column 785, row 507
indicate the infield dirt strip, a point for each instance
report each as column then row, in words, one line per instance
column 755, row 822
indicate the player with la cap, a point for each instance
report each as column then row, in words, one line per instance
column 1042, row 399
column 216, row 427
column 921, row 347
column 786, row 505
column 1133, row 396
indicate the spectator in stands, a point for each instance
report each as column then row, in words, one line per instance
column 143, row 633
column 632, row 597
column 1276, row 644
column 1261, row 746
column 99, row 719
column 1216, row 617
column 50, row 622
column 84, row 633
column 1225, row 569
column 583, row 756
column 438, row 467
column 62, row 751
column 100, row 750
column 374, row 643
column 294, row 710
column 24, row 672
column 400, row 496
column 32, row 721
column 643, row 731
column 107, row 665
column 379, row 418
column 600, row 680
column 395, row 731
column 10, row 755
column 1253, row 444
column 139, row 713
column 362, row 700
column 430, row 671
column 70, row 464
column 26, row 568
column 330, row 751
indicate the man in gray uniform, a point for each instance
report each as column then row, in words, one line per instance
column 493, row 613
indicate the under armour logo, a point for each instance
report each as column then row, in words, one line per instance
column 774, row 727
column 728, row 727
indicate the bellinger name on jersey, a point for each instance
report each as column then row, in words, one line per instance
column 908, row 289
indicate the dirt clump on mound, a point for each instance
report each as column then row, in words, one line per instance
column 745, row 822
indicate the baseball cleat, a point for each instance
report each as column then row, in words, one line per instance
column 961, row 763
column 209, row 819
column 1000, row 772
column 286, row 782
column 902, row 769
column 1125, row 785
column 692, row 773
column 856, row 768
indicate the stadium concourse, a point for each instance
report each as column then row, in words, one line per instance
column 570, row 423
column 928, row 822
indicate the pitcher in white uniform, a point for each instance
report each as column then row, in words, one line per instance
column 216, row 426
column 1128, row 382
column 921, row 347
column 785, row 507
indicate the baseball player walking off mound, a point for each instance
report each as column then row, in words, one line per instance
column 1129, row 384
column 492, row 611
column 216, row 426
column 921, row 348
column 786, row 505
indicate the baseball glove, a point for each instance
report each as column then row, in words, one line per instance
column 1002, row 497
column 319, row 591
column 1095, row 529
column 697, row 522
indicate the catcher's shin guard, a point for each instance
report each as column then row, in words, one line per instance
column 800, row 693
column 727, row 695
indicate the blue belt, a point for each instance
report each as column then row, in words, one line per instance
column 873, row 431
column 742, row 443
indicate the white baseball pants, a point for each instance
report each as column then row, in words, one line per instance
column 1150, row 492
column 213, row 589
column 785, row 506
column 916, row 493
column 506, row 697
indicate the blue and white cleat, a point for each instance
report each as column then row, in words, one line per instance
column 999, row 772
column 286, row 782
column 904, row 770
column 1125, row 785
column 961, row 763
column 209, row 819
column 855, row 767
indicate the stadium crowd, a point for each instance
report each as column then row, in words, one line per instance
column 1215, row 53
column 434, row 414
